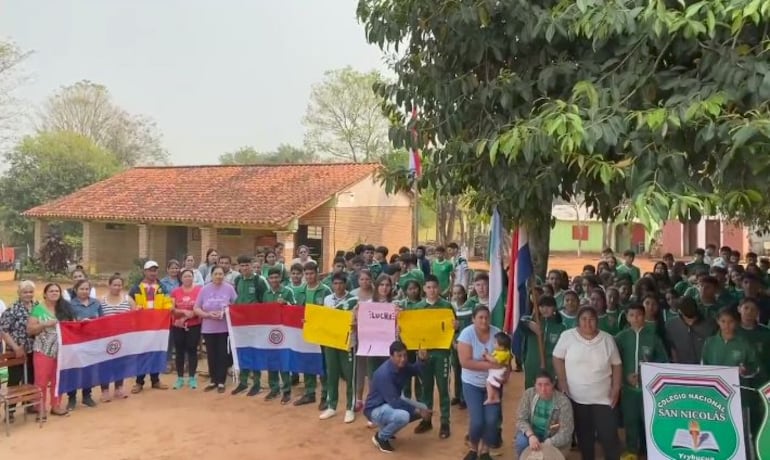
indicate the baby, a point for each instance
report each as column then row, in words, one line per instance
column 500, row 355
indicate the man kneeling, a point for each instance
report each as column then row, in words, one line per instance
column 385, row 407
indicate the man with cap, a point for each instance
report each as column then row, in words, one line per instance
column 148, row 294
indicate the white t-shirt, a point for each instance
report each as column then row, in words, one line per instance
column 588, row 365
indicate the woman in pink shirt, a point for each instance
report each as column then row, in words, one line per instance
column 186, row 332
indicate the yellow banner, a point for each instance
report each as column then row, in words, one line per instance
column 427, row 329
column 327, row 327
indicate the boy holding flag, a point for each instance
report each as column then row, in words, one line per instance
column 278, row 381
column 251, row 288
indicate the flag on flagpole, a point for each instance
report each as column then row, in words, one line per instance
column 521, row 269
column 415, row 162
column 495, row 269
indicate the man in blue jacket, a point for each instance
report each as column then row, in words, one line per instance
column 385, row 407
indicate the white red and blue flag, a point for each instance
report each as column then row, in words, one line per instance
column 268, row 337
column 111, row 348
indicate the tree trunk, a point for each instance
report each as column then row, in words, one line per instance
column 539, row 233
column 451, row 218
column 462, row 214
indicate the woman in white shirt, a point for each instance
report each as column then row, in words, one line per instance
column 587, row 364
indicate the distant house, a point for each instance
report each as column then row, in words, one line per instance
column 168, row 212
column 573, row 225
column 682, row 240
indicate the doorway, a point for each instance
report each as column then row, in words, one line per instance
column 312, row 237
column 176, row 243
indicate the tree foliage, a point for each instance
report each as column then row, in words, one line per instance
column 11, row 57
column 284, row 154
column 648, row 108
column 88, row 109
column 45, row 167
column 344, row 118
column 55, row 253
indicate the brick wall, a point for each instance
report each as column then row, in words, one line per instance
column 110, row 251
column 387, row 226
column 234, row 246
column 157, row 244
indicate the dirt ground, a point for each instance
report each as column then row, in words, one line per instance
column 184, row 424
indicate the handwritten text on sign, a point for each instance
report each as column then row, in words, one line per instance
column 376, row 328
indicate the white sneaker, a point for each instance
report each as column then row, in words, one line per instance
column 350, row 416
column 327, row 414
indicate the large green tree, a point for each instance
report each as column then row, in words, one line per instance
column 88, row 109
column 44, row 167
column 648, row 108
column 344, row 119
column 11, row 58
column 284, row 154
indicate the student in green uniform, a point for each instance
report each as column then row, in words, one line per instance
column 339, row 363
column 613, row 306
column 409, row 271
column 637, row 344
column 251, row 288
column 271, row 260
column 728, row 348
column 758, row 337
column 279, row 382
column 436, row 368
column 571, row 307
column 315, row 293
column 550, row 328
column 381, row 255
column 652, row 316
column 375, row 268
column 598, row 301
column 672, row 302
column 337, row 267
column 358, row 264
column 412, row 298
column 442, row 268
column 697, row 265
column 555, row 280
column 296, row 283
column 459, row 298
column 628, row 267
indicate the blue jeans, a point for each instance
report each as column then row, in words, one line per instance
column 522, row 442
column 390, row 421
column 484, row 419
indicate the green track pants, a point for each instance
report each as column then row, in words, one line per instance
column 339, row 365
column 633, row 418
column 436, row 371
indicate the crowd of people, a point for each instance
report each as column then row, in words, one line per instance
column 580, row 349
column 595, row 329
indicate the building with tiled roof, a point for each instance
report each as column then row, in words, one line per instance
column 168, row 212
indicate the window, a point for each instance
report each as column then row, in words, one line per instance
column 115, row 227
column 229, row 232
column 195, row 234
column 315, row 233
column 580, row 232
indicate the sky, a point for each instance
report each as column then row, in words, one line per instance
column 214, row 74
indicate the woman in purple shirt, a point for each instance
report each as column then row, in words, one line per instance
column 210, row 306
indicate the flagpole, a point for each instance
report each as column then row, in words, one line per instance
column 509, row 326
column 415, row 216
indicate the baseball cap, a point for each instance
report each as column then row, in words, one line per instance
column 151, row 264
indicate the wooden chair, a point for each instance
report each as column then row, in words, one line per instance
column 24, row 395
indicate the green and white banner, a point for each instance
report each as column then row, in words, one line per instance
column 763, row 436
column 693, row 412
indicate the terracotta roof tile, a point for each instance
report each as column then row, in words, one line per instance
column 269, row 195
